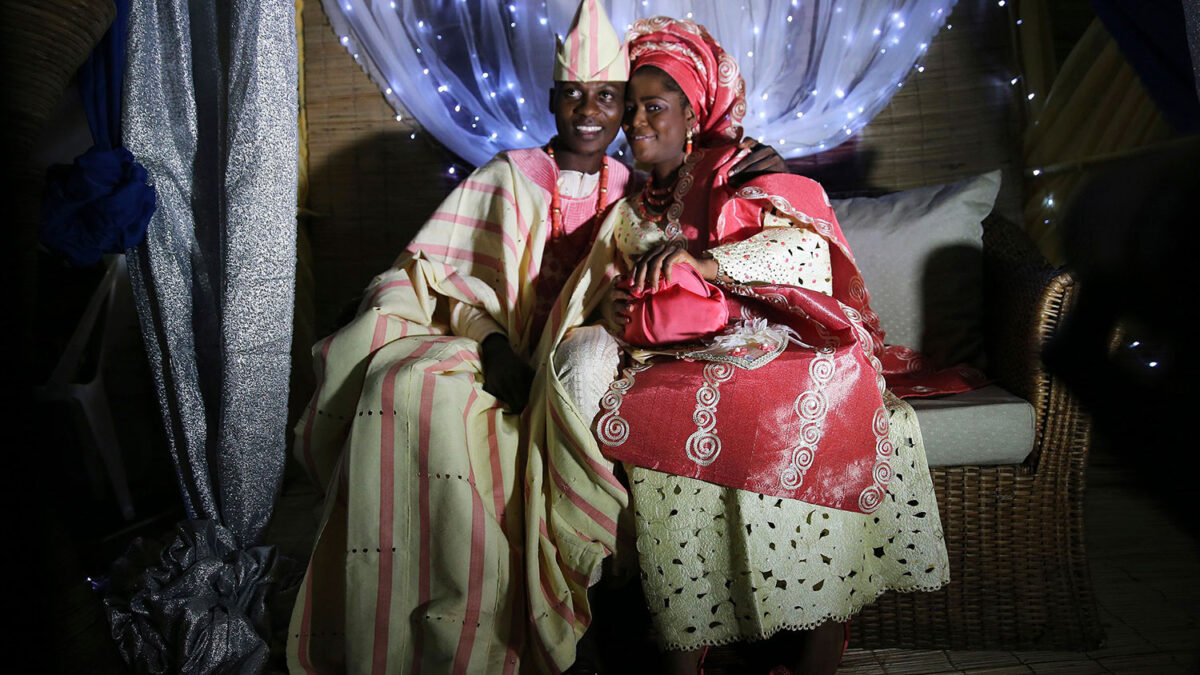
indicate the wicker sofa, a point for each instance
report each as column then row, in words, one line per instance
column 1014, row 532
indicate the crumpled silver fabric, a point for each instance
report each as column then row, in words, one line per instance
column 194, row 603
column 209, row 107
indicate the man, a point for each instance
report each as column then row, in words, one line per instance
column 414, row 433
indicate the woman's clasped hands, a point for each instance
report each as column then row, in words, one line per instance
column 649, row 270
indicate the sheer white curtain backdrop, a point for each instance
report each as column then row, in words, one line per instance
column 477, row 73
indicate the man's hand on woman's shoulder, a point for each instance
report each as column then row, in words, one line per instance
column 762, row 159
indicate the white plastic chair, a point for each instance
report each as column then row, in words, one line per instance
column 88, row 399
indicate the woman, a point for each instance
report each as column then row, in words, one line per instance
column 776, row 484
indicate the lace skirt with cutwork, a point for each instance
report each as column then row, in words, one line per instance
column 720, row 565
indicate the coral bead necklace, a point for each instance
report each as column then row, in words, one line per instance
column 557, row 229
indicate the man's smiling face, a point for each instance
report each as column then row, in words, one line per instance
column 587, row 115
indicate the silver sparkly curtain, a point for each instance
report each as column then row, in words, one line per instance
column 210, row 111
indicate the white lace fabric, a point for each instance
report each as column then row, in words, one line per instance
column 721, row 565
column 587, row 360
column 783, row 253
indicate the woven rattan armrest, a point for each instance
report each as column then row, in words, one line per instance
column 1014, row 532
column 1025, row 302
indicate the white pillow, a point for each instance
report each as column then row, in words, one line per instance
column 921, row 255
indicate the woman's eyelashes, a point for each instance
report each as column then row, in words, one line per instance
column 648, row 108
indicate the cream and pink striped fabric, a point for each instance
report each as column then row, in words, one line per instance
column 456, row 537
column 591, row 52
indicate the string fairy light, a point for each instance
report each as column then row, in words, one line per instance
column 894, row 39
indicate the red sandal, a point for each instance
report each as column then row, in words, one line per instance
column 845, row 642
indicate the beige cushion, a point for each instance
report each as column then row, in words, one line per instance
column 983, row 426
column 920, row 252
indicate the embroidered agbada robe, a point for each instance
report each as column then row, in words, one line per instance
column 451, row 539
column 811, row 424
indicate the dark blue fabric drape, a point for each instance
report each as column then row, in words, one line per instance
column 101, row 203
column 1153, row 37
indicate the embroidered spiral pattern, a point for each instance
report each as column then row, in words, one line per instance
column 612, row 429
column 879, row 423
column 811, row 434
column 727, row 70
column 703, row 446
column 706, row 397
column 738, row 111
column 870, row 317
column 909, row 357
column 870, row 499
column 820, row 369
column 684, row 185
column 858, row 288
column 882, row 473
column 872, row 496
column 673, row 213
column 673, row 230
column 884, row 447
column 811, row 406
column 704, row 417
column 802, row 457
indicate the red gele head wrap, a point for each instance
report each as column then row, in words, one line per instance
column 707, row 75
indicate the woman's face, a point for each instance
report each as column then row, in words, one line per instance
column 657, row 117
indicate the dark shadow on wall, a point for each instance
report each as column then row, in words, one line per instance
column 842, row 171
column 1131, row 236
column 952, row 306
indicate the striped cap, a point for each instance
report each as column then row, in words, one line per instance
column 592, row 51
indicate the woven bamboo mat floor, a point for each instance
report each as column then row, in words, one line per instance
column 1145, row 565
